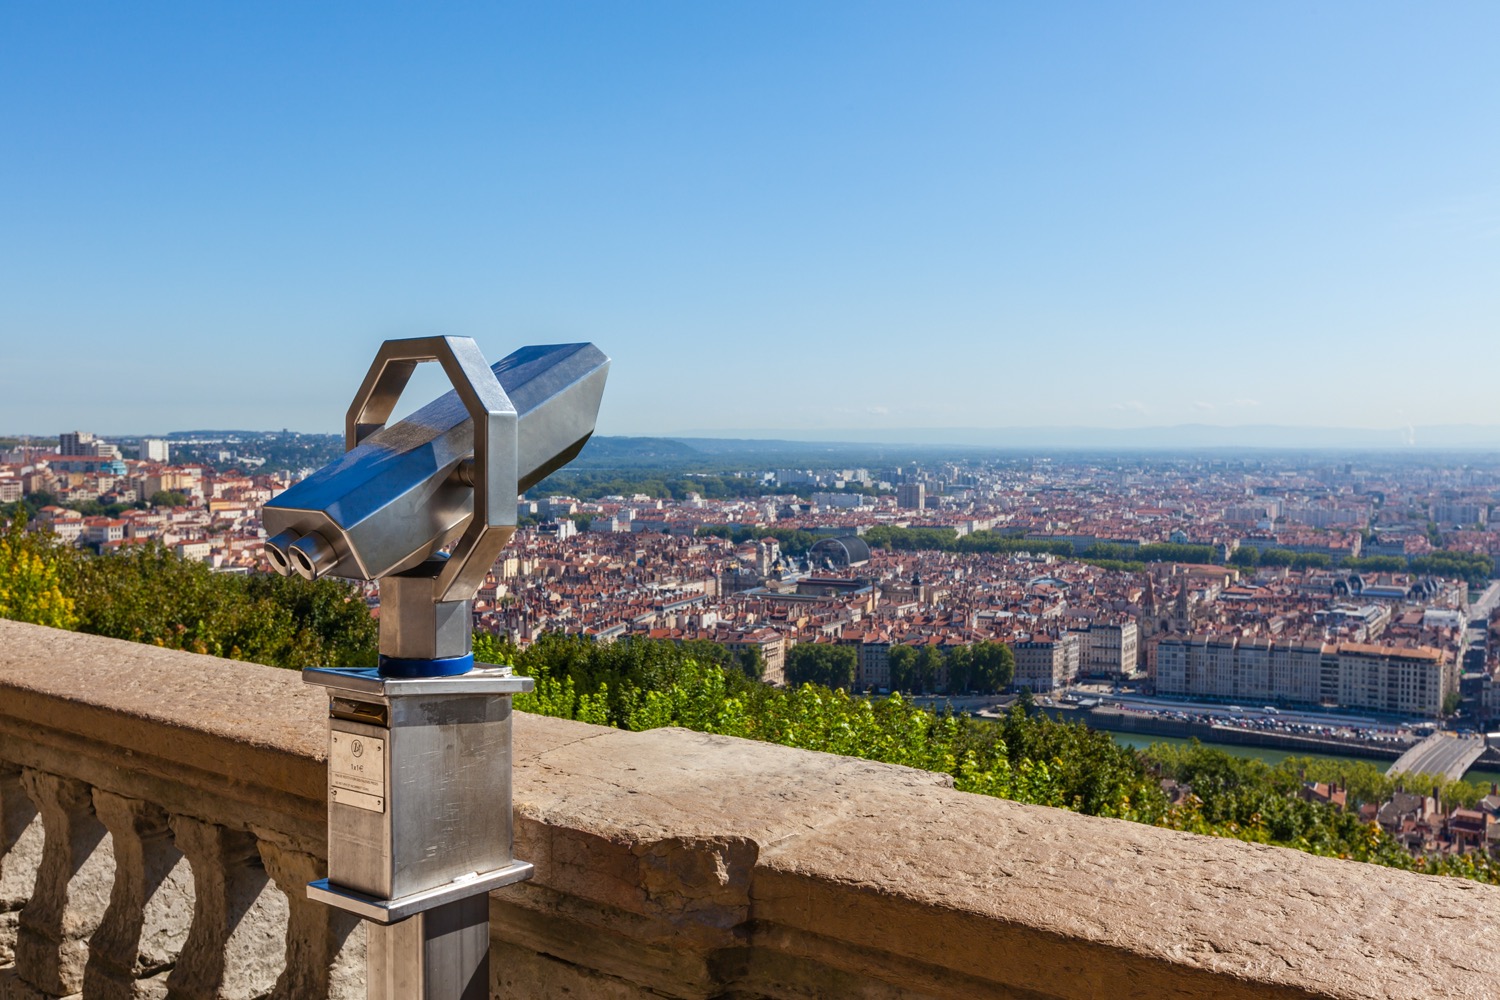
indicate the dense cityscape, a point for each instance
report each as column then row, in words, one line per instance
column 1292, row 600
column 1226, row 578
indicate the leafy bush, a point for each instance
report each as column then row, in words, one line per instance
column 638, row 684
column 146, row 593
column 31, row 588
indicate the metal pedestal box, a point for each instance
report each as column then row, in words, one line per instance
column 419, row 798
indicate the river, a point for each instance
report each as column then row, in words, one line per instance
column 1273, row 756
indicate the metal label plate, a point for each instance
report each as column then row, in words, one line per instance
column 359, row 800
column 356, row 770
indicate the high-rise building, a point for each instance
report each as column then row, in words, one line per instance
column 911, row 496
column 82, row 444
column 76, row 443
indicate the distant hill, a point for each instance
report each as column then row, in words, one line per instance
column 759, row 446
column 616, row 452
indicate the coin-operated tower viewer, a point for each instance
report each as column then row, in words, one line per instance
column 419, row 761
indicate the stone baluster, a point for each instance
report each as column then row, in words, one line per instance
column 20, row 855
column 325, row 950
column 150, row 905
column 72, row 886
column 236, row 945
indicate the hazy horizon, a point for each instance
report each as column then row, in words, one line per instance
column 1468, row 437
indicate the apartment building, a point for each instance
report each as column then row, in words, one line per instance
column 1400, row 679
column 1460, row 513
column 1328, row 517
column 1108, row 650
column 768, row 642
column 83, row 444
column 1044, row 662
column 99, row 530
column 1394, row 679
column 875, row 664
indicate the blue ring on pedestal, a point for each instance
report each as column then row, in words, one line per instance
column 451, row 666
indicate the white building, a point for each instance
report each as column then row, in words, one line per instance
column 1347, row 675
column 1045, row 663
column 1108, row 650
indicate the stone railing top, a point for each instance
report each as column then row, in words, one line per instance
column 212, row 714
column 972, row 882
column 868, row 864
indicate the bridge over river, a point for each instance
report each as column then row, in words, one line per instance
column 1440, row 753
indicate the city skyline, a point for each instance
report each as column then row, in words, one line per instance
column 873, row 218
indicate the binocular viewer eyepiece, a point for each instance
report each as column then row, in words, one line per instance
column 307, row 555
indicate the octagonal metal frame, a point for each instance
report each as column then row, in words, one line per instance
column 495, row 475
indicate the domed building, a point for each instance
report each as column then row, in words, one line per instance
column 844, row 552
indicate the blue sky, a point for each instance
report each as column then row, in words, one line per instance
column 774, row 216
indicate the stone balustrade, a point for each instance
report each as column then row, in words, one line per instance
column 161, row 812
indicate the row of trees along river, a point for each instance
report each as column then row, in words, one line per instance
column 149, row 595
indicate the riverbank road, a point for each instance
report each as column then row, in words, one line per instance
column 1486, row 601
column 1440, row 753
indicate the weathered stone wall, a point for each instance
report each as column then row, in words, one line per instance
column 160, row 812
column 160, row 815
